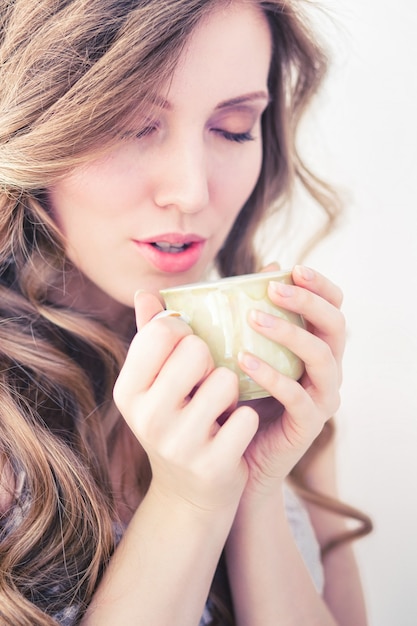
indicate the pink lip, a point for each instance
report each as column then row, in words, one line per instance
column 172, row 262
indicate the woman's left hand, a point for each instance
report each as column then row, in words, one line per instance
column 302, row 407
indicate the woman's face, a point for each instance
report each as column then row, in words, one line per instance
column 157, row 208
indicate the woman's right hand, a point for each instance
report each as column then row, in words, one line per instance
column 171, row 396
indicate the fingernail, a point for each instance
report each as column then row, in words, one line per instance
column 282, row 288
column 305, row 272
column 248, row 361
column 263, row 319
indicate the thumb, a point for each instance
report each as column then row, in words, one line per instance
column 147, row 305
column 271, row 267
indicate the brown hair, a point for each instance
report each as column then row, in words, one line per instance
column 69, row 73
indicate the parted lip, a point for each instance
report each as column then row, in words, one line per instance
column 172, row 238
column 171, row 252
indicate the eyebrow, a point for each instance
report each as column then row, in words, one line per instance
column 249, row 97
column 245, row 98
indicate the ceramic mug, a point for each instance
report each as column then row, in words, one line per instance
column 218, row 312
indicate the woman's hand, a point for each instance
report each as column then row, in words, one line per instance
column 171, row 395
column 300, row 408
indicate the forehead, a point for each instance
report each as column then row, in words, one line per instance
column 229, row 52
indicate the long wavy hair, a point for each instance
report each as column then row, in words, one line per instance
column 69, row 73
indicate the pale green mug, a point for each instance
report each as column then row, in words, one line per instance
column 218, row 312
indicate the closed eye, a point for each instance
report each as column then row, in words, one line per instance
column 237, row 137
column 138, row 134
column 147, row 130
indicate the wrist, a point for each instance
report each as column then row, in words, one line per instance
column 209, row 514
column 262, row 495
column 256, row 507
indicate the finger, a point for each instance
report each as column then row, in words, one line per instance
column 149, row 350
column 187, row 367
column 316, row 353
column 322, row 388
column 147, row 306
column 237, row 432
column 299, row 406
column 322, row 366
column 317, row 283
column 217, row 395
column 271, row 267
column 326, row 319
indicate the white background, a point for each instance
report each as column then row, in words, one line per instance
column 365, row 139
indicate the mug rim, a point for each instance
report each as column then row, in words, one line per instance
column 229, row 280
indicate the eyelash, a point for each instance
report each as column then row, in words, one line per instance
column 229, row 136
column 146, row 131
column 237, row 137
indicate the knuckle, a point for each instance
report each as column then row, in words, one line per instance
column 148, row 426
column 294, row 394
column 333, row 405
column 168, row 331
column 195, row 343
column 171, row 450
column 303, row 298
column 340, row 324
column 323, row 353
column 198, row 349
column 121, row 393
column 117, row 393
column 337, row 402
column 228, row 381
column 226, row 375
column 339, row 296
column 291, row 331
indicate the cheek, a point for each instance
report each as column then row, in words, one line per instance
column 77, row 213
column 237, row 179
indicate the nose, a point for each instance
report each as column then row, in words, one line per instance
column 182, row 177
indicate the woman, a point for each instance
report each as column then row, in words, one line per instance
column 141, row 143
